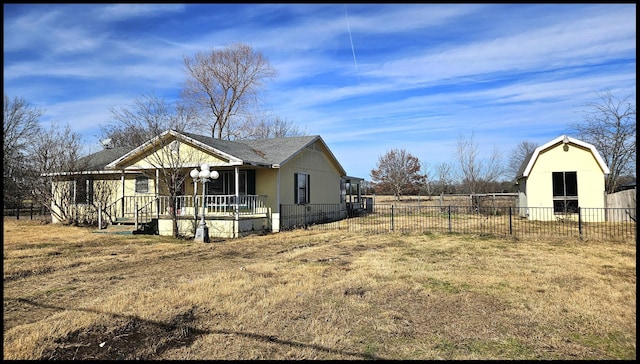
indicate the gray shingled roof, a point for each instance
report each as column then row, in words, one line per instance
column 261, row 151
column 97, row 161
column 279, row 150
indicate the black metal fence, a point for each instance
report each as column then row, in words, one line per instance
column 303, row 216
column 588, row 223
column 28, row 211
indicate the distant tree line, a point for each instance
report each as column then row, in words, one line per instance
column 610, row 125
column 221, row 98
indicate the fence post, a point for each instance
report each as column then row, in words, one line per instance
column 580, row 222
column 391, row 217
column 449, row 208
column 136, row 214
column 510, row 226
column 31, row 210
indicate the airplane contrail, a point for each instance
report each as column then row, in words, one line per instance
column 353, row 51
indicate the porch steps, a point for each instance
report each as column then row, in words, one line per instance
column 127, row 226
column 124, row 221
column 117, row 229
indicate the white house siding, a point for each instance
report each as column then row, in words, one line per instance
column 110, row 182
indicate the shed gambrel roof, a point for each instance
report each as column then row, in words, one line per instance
column 528, row 163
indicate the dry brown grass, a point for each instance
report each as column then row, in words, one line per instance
column 70, row 293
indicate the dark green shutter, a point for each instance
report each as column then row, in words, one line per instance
column 251, row 182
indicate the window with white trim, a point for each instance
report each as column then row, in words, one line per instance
column 302, row 184
column 565, row 192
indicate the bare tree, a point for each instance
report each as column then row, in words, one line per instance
column 519, row 155
column 366, row 187
column 444, row 173
column 258, row 123
column 424, row 185
column 224, row 83
column 54, row 152
column 477, row 173
column 397, row 169
column 20, row 127
column 170, row 160
column 146, row 118
column 150, row 121
column 610, row 125
column 264, row 128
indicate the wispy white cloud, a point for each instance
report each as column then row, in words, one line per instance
column 422, row 75
column 118, row 12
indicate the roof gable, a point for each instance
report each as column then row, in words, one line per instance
column 271, row 153
column 526, row 167
column 164, row 140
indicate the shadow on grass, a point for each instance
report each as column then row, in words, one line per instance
column 138, row 339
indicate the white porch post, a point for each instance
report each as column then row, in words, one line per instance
column 122, row 180
column 157, row 191
column 237, row 212
column 74, row 212
column 99, row 216
column 53, row 197
column 275, row 216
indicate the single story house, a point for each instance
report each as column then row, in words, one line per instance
column 152, row 185
column 559, row 177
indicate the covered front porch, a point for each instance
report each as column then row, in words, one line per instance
column 227, row 216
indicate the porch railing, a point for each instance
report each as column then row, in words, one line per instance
column 215, row 205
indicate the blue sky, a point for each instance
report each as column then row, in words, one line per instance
column 367, row 78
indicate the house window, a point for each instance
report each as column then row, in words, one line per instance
column 302, row 186
column 565, row 192
column 84, row 191
column 225, row 184
column 142, row 184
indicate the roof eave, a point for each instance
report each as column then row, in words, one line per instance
column 559, row 139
